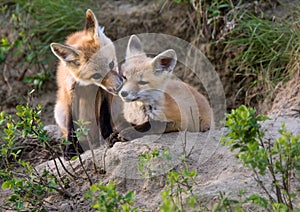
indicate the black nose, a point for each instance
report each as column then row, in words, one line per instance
column 124, row 93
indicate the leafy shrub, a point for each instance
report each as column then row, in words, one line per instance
column 29, row 186
column 106, row 198
column 146, row 161
column 179, row 184
column 279, row 159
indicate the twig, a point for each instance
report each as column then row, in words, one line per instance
column 81, row 163
column 92, row 151
column 5, row 78
column 104, row 156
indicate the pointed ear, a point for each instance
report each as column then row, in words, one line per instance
column 165, row 61
column 102, row 37
column 91, row 24
column 134, row 47
column 68, row 54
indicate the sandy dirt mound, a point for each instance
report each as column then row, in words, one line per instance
column 218, row 169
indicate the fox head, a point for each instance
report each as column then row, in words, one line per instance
column 90, row 56
column 145, row 77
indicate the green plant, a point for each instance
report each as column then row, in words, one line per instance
column 34, row 25
column 264, row 53
column 106, row 198
column 13, row 131
column 29, row 186
column 146, row 161
column 29, row 189
column 178, row 185
column 5, row 46
column 224, row 203
column 279, row 158
column 81, row 131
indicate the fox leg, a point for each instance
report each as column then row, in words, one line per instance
column 104, row 118
column 138, row 131
column 65, row 122
column 74, row 148
column 60, row 118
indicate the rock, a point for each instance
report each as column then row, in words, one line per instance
column 218, row 170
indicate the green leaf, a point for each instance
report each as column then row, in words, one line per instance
column 6, row 185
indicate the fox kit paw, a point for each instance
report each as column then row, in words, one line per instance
column 205, row 127
column 113, row 138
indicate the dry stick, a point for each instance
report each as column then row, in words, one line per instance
column 184, row 144
column 286, row 198
column 5, row 77
column 51, row 148
column 180, row 198
column 61, row 162
column 190, row 152
column 92, row 151
column 81, row 163
column 257, row 179
column 287, row 182
column 171, row 195
column 80, row 160
column 22, row 75
column 104, row 156
column 56, row 167
column 270, row 162
column 60, row 178
column 70, row 164
column 271, row 169
column 63, row 191
column 55, row 164
column 35, row 181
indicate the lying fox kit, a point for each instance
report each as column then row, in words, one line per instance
column 150, row 87
column 88, row 57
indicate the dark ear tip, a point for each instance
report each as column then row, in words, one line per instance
column 89, row 12
column 53, row 45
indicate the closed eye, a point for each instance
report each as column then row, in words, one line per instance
column 96, row 76
column 142, row 82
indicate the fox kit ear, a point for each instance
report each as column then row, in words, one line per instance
column 91, row 24
column 134, row 47
column 102, row 37
column 165, row 61
column 65, row 53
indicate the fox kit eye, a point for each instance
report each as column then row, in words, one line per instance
column 111, row 65
column 96, row 76
column 142, row 82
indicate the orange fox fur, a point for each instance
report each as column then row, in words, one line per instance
column 88, row 57
column 151, row 92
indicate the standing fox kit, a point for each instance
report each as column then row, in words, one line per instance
column 150, row 88
column 88, row 57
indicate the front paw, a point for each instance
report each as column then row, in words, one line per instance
column 129, row 134
column 113, row 138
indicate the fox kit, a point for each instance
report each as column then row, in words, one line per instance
column 150, row 89
column 88, row 57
